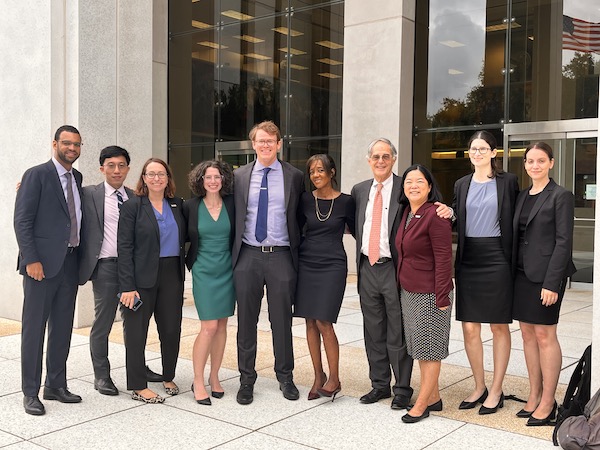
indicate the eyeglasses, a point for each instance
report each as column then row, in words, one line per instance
column 385, row 157
column 113, row 166
column 69, row 143
column 212, row 177
column 152, row 175
column 269, row 142
column 482, row 150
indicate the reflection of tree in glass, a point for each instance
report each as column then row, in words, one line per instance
column 580, row 84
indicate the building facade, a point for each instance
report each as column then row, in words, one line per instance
column 185, row 80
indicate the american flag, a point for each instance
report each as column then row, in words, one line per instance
column 580, row 35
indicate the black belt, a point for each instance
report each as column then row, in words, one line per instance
column 71, row 249
column 380, row 260
column 111, row 259
column 268, row 248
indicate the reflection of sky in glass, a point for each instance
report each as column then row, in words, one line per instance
column 581, row 9
column 456, row 49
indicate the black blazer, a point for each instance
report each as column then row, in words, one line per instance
column 92, row 228
column 138, row 242
column 508, row 189
column 293, row 186
column 190, row 212
column 41, row 219
column 548, row 240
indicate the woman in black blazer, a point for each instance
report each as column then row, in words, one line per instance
column 542, row 255
column 150, row 241
column 211, row 230
column 484, row 204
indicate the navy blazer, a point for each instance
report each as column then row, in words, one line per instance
column 425, row 254
column 190, row 212
column 507, row 188
column 92, row 228
column 41, row 219
column 293, row 186
column 548, row 239
column 138, row 242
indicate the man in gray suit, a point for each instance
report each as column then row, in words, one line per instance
column 47, row 223
column 265, row 253
column 98, row 257
column 376, row 268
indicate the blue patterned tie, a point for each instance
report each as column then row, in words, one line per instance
column 119, row 199
column 263, row 208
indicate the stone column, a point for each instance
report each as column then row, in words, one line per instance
column 378, row 86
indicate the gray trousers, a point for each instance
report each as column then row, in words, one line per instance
column 383, row 330
column 105, row 284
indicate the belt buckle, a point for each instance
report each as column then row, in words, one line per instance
column 266, row 249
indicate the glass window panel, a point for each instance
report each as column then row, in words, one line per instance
column 182, row 159
column 247, row 10
column 298, row 151
column 250, row 88
column 192, row 96
column 315, row 72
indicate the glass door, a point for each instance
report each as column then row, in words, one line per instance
column 575, row 145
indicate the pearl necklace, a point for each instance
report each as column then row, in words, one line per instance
column 320, row 216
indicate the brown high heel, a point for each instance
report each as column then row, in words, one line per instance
column 313, row 395
column 333, row 393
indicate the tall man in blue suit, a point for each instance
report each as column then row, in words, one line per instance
column 47, row 224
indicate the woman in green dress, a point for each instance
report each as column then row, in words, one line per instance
column 210, row 231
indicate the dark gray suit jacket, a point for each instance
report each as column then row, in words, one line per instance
column 92, row 227
column 507, row 188
column 41, row 219
column 548, row 246
column 360, row 193
column 293, row 185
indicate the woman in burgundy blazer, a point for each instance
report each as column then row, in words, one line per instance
column 424, row 243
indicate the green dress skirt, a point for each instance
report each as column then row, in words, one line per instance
column 212, row 274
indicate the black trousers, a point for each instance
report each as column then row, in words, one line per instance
column 255, row 270
column 50, row 301
column 165, row 301
column 105, row 283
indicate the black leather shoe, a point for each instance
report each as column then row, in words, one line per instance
column 524, row 414
column 399, row 402
column 245, row 395
column 535, row 422
column 375, row 395
column 289, row 389
column 407, row 418
column 437, row 406
column 61, row 394
column 106, row 386
column 33, row 405
column 485, row 410
column 473, row 404
column 153, row 376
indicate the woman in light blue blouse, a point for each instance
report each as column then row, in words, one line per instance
column 484, row 203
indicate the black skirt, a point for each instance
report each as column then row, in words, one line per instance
column 484, row 286
column 527, row 304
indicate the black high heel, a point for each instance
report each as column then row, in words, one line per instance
column 203, row 401
column 535, row 422
column 473, row 404
column 524, row 414
column 485, row 410
column 333, row 393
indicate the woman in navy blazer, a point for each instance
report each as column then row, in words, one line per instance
column 210, row 216
column 542, row 255
column 424, row 243
column 484, row 202
column 150, row 241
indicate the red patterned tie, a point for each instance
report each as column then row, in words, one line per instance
column 375, row 235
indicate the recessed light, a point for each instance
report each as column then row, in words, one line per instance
column 212, row 45
column 329, row 44
column 329, row 75
column 452, row 44
column 502, row 26
column 248, row 38
column 257, row 56
column 454, row 72
column 236, row 15
column 331, row 62
column 286, row 31
column 298, row 67
column 201, row 25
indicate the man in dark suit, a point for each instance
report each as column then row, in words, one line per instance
column 265, row 252
column 376, row 262
column 47, row 224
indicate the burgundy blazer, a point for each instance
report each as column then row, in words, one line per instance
column 425, row 254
